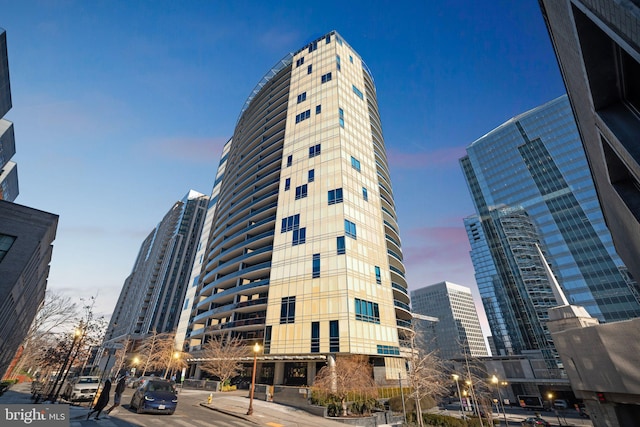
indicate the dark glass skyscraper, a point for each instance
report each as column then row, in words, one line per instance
column 532, row 187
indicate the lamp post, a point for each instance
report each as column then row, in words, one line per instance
column 474, row 399
column 256, row 350
column 550, row 396
column 53, row 394
column 456, row 377
column 495, row 380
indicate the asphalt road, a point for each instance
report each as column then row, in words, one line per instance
column 188, row 414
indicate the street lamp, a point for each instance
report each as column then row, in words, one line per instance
column 456, row 377
column 176, row 357
column 53, row 394
column 256, row 350
column 474, row 399
column 495, row 380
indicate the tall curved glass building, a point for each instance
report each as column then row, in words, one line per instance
column 304, row 253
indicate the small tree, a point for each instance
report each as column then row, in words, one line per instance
column 222, row 357
column 426, row 375
column 350, row 375
column 55, row 312
column 157, row 352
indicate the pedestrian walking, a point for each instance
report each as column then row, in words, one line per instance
column 103, row 400
column 122, row 383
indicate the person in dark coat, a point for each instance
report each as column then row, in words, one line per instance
column 122, row 383
column 103, row 400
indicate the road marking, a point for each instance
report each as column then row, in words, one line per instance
column 275, row 425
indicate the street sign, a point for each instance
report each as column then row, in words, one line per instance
column 115, row 345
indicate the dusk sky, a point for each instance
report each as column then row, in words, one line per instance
column 121, row 107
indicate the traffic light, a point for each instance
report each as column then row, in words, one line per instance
column 601, row 397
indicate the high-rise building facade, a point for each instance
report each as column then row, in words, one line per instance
column 597, row 44
column 457, row 332
column 8, row 169
column 536, row 206
column 26, row 236
column 200, row 255
column 304, row 255
column 153, row 294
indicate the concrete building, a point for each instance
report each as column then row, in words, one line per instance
column 304, row 256
column 200, row 255
column 8, row 169
column 153, row 294
column 597, row 44
column 532, row 190
column 457, row 331
column 26, row 235
column 601, row 363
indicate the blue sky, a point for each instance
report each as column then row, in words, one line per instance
column 121, row 107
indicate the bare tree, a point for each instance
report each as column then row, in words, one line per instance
column 55, row 312
column 158, row 351
column 426, row 374
column 223, row 357
column 349, row 375
column 121, row 355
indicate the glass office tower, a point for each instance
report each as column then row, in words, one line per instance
column 304, row 251
column 531, row 186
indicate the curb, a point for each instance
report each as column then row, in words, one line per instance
column 230, row 413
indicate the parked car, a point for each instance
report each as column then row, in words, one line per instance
column 535, row 422
column 560, row 404
column 155, row 395
column 81, row 389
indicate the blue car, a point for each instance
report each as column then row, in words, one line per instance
column 156, row 396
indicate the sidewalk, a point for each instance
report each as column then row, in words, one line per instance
column 266, row 413
column 21, row 394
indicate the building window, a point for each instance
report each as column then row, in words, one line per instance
column 328, row 39
column 290, row 223
column 351, row 59
column 316, row 266
column 303, row 116
column 310, row 69
column 334, row 336
column 339, row 40
column 287, row 310
column 388, row 349
column 289, row 160
column 366, row 311
column 287, row 184
column 350, row 228
column 378, row 276
column 338, row 62
column 315, row 337
column 267, row 339
column 357, row 92
column 326, row 78
column 313, row 46
column 355, row 163
column 341, row 245
column 341, row 117
column 365, row 194
column 301, row 191
column 318, row 109
column 299, row 61
column 302, row 97
column 6, row 242
column 335, row 196
column 311, row 175
column 299, row 236
column 314, row 150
